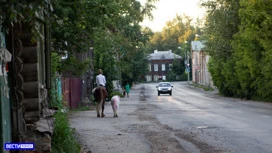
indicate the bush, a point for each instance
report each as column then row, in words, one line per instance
column 64, row 138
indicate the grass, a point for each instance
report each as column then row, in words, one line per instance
column 85, row 108
column 205, row 88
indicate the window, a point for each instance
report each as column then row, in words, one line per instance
column 155, row 67
column 170, row 66
column 150, row 67
column 163, row 67
column 155, row 78
column 148, row 78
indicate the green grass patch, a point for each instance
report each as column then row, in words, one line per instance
column 85, row 108
column 82, row 108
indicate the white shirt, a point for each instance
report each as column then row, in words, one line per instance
column 100, row 80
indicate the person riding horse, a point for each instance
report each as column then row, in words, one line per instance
column 101, row 79
column 100, row 92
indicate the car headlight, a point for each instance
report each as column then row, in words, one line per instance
column 169, row 88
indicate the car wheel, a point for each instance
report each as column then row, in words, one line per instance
column 170, row 93
column 158, row 93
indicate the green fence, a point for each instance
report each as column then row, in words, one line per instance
column 5, row 109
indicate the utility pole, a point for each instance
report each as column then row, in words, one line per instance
column 188, row 72
column 187, row 63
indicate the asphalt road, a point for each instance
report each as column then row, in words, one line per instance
column 189, row 121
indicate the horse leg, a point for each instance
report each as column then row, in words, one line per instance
column 103, row 103
column 97, row 110
column 98, row 106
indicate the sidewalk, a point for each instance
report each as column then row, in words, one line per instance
column 108, row 134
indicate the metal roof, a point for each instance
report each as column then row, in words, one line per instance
column 163, row 55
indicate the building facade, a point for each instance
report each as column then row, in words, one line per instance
column 200, row 59
column 160, row 63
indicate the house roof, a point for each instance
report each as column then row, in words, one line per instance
column 163, row 55
column 197, row 46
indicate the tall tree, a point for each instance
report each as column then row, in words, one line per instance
column 122, row 38
column 113, row 26
column 222, row 21
column 252, row 50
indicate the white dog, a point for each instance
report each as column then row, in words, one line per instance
column 115, row 101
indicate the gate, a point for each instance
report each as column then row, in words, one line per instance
column 72, row 91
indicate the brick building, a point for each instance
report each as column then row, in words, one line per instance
column 160, row 63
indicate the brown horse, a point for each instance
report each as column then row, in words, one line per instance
column 100, row 94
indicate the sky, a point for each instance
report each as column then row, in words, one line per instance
column 167, row 9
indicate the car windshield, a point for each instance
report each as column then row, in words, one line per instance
column 164, row 85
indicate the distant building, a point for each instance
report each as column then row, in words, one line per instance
column 160, row 63
column 200, row 59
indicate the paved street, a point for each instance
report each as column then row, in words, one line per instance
column 190, row 120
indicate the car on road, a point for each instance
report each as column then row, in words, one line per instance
column 164, row 88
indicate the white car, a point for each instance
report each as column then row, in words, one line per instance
column 164, row 88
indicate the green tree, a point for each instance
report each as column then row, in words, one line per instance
column 31, row 12
column 120, row 39
column 114, row 28
column 71, row 34
column 222, row 22
column 252, row 50
column 174, row 34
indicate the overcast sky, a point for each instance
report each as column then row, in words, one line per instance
column 167, row 9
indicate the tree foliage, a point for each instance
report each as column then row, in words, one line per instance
column 252, row 47
column 222, row 23
column 110, row 27
column 174, row 34
column 33, row 12
column 122, row 38
column 238, row 35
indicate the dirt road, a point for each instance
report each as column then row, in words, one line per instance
column 189, row 121
column 134, row 131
